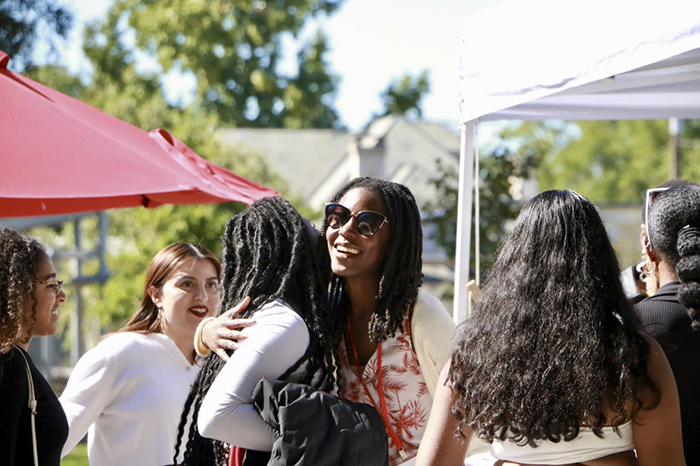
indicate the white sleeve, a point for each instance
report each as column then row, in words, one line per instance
column 432, row 329
column 87, row 394
column 277, row 341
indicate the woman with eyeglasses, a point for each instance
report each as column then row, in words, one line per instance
column 127, row 392
column 551, row 368
column 671, row 239
column 30, row 298
column 395, row 336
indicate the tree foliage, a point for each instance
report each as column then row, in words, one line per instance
column 404, row 95
column 234, row 49
column 24, row 23
column 606, row 161
column 514, row 158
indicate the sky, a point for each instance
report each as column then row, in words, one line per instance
column 372, row 42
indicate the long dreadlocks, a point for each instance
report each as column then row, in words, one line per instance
column 269, row 253
column 401, row 273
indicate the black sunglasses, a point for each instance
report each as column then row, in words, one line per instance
column 367, row 222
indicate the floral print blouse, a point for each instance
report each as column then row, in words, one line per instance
column 408, row 401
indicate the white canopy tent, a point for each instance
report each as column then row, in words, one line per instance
column 571, row 59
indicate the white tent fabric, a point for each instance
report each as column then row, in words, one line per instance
column 572, row 59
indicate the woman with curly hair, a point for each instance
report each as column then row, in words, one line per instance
column 671, row 240
column 552, row 368
column 395, row 336
column 30, row 297
column 270, row 256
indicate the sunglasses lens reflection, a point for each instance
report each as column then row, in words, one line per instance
column 369, row 222
column 337, row 215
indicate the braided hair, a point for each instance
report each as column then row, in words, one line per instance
column 269, row 253
column 552, row 337
column 674, row 230
column 20, row 256
column 401, row 274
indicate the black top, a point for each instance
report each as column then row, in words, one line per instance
column 667, row 320
column 15, row 425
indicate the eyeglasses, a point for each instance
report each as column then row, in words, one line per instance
column 651, row 195
column 367, row 222
column 56, row 285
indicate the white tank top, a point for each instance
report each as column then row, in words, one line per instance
column 585, row 447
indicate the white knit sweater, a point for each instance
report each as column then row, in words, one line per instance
column 127, row 393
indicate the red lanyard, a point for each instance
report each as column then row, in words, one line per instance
column 382, row 401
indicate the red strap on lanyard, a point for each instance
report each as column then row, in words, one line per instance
column 382, row 401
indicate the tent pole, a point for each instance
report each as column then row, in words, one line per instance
column 464, row 217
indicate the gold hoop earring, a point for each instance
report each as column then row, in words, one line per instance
column 646, row 269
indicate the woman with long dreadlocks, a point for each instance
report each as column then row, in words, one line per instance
column 395, row 336
column 551, row 368
column 269, row 256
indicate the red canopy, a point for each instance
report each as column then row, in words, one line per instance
column 59, row 155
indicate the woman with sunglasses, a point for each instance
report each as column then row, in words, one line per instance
column 551, row 367
column 395, row 336
column 30, row 297
column 671, row 239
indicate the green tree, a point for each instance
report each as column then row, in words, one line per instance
column 617, row 161
column 404, row 95
column 515, row 157
column 234, row 50
column 24, row 23
column 609, row 161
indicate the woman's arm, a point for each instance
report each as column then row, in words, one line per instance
column 657, row 432
column 223, row 333
column 88, row 392
column 277, row 341
column 439, row 447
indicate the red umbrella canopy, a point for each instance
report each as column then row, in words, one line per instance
column 59, row 155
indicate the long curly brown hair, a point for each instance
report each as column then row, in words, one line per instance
column 553, row 337
column 19, row 257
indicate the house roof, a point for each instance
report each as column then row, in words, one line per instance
column 304, row 157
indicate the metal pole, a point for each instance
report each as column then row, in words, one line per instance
column 76, row 347
column 674, row 146
column 464, row 220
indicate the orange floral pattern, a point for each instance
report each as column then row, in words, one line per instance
column 408, row 401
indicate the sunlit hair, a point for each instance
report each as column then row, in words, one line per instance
column 674, row 226
column 20, row 257
column 161, row 268
column 401, row 272
column 553, row 338
column 269, row 253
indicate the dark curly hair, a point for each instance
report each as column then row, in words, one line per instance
column 401, row 273
column 269, row 253
column 553, row 338
column 674, row 224
column 20, row 256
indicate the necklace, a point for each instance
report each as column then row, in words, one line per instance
column 380, row 388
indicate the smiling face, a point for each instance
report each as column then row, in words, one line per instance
column 48, row 299
column 190, row 294
column 354, row 255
